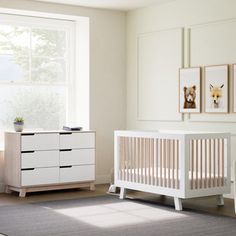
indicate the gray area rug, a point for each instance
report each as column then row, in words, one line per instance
column 107, row 215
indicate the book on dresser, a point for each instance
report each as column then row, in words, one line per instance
column 48, row 160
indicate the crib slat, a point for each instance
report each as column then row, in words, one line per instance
column 125, row 160
column 168, row 156
column 149, row 161
column 214, row 163
column 135, row 167
column 196, row 173
column 130, row 164
column 145, row 168
column 209, row 185
column 223, row 158
column 122, row 157
column 145, row 162
column 138, row 156
column 173, row 163
column 165, row 162
column 192, row 164
column 157, row 161
column 132, row 168
column 161, row 158
column 130, row 159
column 141, row 160
column 152, row 158
column 177, row 155
column 201, row 163
column 218, row 155
column 205, row 182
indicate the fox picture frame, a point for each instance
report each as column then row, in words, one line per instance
column 190, row 90
column 216, row 98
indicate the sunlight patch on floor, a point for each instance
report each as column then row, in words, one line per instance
column 118, row 214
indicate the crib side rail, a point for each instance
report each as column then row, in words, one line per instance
column 149, row 158
column 209, row 163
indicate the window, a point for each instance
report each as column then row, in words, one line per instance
column 37, row 74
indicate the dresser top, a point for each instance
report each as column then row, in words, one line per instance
column 49, row 131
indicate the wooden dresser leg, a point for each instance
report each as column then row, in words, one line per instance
column 92, row 186
column 22, row 193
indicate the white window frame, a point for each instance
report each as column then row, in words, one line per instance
column 79, row 68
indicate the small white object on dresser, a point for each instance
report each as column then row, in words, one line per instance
column 49, row 160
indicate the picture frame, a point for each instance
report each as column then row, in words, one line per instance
column 216, row 95
column 234, row 88
column 190, row 90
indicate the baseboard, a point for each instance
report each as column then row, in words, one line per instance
column 103, row 179
column 2, row 187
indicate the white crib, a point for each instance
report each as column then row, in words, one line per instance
column 178, row 164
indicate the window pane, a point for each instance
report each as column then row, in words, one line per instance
column 48, row 69
column 48, row 43
column 12, row 69
column 40, row 106
column 14, row 40
column 14, row 53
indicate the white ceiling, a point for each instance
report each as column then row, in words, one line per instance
column 124, row 5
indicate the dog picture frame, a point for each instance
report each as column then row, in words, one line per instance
column 190, row 90
column 216, row 97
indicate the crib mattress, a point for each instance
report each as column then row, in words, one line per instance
column 171, row 178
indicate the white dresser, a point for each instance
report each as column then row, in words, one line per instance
column 48, row 160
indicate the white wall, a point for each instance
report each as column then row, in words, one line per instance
column 187, row 14
column 107, row 74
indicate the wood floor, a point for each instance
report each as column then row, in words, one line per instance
column 206, row 204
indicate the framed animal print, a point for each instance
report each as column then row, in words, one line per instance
column 216, row 89
column 189, row 90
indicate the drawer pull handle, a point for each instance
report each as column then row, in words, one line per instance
column 65, row 166
column 29, row 134
column 27, row 151
column 27, row 169
column 65, row 150
column 66, row 133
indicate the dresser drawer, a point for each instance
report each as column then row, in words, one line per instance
column 77, row 157
column 77, row 140
column 36, row 159
column 40, row 176
column 39, row 142
column 77, row 174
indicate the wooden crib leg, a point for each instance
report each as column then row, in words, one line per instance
column 178, row 204
column 122, row 193
column 220, row 200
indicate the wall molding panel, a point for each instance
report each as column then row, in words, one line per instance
column 213, row 44
column 157, row 96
